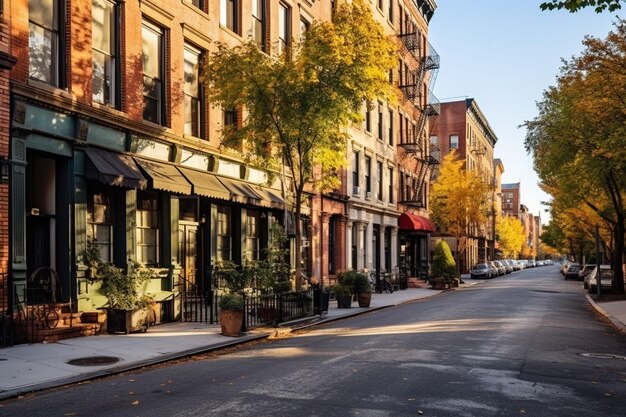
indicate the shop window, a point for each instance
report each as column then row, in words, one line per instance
column 224, row 233
column 100, row 223
column 252, row 235
column 104, row 51
column 148, row 233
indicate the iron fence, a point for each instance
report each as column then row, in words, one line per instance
column 6, row 318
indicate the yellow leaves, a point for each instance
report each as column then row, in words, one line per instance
column 510, row 235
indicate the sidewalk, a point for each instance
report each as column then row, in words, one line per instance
column 31, row 367
column 614, row 311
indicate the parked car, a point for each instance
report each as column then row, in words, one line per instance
column 501, row 268
column 572, row 271
column 495, row 271
column 481, row 271
column 606, row 278
column 584, row 271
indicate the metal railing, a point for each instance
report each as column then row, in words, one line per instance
column 273, row 309
column 6, row 318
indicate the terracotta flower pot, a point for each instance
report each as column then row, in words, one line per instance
column 364, row 299
column 230, row 322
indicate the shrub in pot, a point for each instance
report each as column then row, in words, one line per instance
column 343, row 295
column 443, row 266
column 231, row 313
column 361, row 287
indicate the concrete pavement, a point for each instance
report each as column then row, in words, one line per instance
column 31, row 367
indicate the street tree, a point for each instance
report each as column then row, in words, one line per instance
column 510, row 236
column 298, row 105
column 577, row 140
column 573, row 6
column 459, row 200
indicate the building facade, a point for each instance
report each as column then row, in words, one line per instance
column 462, row 127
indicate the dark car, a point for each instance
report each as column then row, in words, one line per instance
column 480, row 271
column 572, row 271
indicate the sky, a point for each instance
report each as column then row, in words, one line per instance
column 505, row 54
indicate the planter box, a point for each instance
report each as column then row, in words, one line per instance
column 344, row 301
column 129, row 321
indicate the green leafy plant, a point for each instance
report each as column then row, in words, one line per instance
column 121, row 288
column 443, row 263
column 340, row 289
column 361, row 284
column 231, row 302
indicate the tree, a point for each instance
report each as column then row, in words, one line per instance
column 577, row 140
column 298, row 105
column 510, row 235
column 459, row 199
column 443, row 262
column 573, row 6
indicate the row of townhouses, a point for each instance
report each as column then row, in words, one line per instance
column 107, row 137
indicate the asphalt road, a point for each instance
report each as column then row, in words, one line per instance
column 522, row 345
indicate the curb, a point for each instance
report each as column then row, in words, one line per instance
column 615, row 322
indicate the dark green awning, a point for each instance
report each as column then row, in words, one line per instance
column 164, row 177
column 113, row 169
column 206, row 184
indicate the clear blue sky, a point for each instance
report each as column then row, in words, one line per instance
column 504, row 54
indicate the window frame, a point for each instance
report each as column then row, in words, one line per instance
column 199, row 97
column 454, row 141
column 113, row 90
column 92, row 224
column 390, row 185
column 160, row 97
column 355, row 169
column 262, row 21
column 253, row 239
column 284, row 43
column 152, row 224
column 368, row 174
column 58, row 55
column 232, row 23
column 224, row 233
column 379, row 178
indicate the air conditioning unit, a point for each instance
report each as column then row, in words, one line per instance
column 356, row 190
column 368, row 195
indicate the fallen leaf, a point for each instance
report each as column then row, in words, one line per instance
column 131, row 380
column 136, row 402
column 608, row 394
column 411, row 399
column 420, row 412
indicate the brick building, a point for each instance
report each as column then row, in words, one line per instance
column 462, row 127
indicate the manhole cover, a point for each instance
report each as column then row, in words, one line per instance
column 94, row 361
column 603, row 356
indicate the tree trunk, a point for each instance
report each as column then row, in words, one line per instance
column 618, row 272
column 298, row 248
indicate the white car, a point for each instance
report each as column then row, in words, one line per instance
column 606, row 278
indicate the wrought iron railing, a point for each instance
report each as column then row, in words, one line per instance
column 6, row 316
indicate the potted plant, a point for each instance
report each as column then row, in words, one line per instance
column 343, row 295
column 443, row 267
column 231, row 302
column 92, row 260
column 127, row 311
column 361, row 287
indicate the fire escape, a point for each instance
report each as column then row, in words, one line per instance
column 425, row 106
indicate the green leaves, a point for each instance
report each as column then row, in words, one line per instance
column 574, row 6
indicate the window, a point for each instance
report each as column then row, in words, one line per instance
column 368, row 174
column 100, row 223
column 380, row 122
column 193, row 92
column 390, row 130
column 224, row 247
column 199, row 4
column 304, row 28
column 390, row 16
column 230, row 118
column 284, row 41
column 45, row 45
column 355, row 172
column 368, row 119
column 454, row 141
column 258, row 23
column 104, row 51
column 147, row 228
column 391, row 191
column 434, row 140
column 252, row 235
column 153, row 71
column 379, row 175
column 380, row 4
column 229, row 12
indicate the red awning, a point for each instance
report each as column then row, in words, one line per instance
column 410, row 221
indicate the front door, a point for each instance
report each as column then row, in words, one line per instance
column 188, row 238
